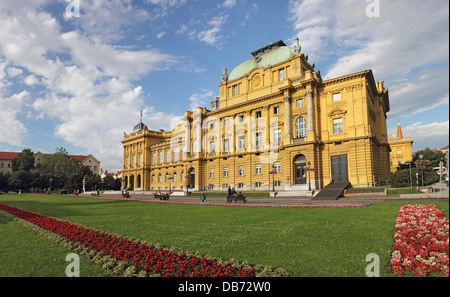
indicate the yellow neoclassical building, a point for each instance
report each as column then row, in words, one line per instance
column 275, row 125
column 401, row 149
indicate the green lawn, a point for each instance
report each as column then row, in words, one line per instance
column 306, row 242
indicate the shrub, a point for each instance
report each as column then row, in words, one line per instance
column 401, row 178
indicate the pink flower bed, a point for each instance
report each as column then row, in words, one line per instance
column 420, row 241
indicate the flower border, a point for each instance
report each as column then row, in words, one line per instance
column 127, row 256
column 421, row 241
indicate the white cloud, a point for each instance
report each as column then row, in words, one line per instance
column 13, row 71
column 213, row 35
column 86, row 82
column 201, row 99
column 432, row 135
column 407, row 46
column 12, row 130
column 229, row 3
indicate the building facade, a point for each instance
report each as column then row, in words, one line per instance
column 6, row 161
column 274, row 125
column 401, row 149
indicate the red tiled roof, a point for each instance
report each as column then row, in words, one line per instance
column 12, row 155
column 8, row 155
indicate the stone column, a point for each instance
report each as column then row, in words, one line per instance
column 187, row 136
column 287, row 118
column 309, row 102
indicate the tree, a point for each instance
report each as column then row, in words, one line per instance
column 22, row 176
column 24, row 161
column 401, row 178
column 65, row 173
column 111, row 183
column 433, row 155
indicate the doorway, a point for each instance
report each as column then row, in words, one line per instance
column 339, row 168
column 300, row 170
column 191, row 178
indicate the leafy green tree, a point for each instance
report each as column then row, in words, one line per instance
column 433, row 155
column 65, row 173
column 111, row 184
column 24, row 161
column 401, row 178
column 4, row 181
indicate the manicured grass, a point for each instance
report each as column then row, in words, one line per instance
column 403, row 191
column 24, row 253
column 306, row 242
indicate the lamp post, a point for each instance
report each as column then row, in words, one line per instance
column 410, row 177
column 421, row 163
column 50, row 188
column 441, row 164
column 274, row 171
column 308, row 168
column 170, row 183
column 421, row 169
column 417, row 181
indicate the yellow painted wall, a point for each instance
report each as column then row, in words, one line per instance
column 362, row 107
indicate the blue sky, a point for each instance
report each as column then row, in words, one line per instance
column 79, row 81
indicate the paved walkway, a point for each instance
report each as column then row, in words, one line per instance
column 436, row 195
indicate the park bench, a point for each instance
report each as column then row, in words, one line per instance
column 236, row 198
column 162, row 196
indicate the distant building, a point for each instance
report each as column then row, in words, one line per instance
column 6, row 161
column 275, row 124
column 401, row 149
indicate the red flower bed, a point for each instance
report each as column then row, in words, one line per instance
column 142, row 256
column 421, row 241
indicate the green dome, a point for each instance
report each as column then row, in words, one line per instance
column 273, row 57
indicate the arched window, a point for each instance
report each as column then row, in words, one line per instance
column 300, row 127
column 159, row 178
column 161, row 157
column 168, row 156
column 176, row 154
column 154, row 159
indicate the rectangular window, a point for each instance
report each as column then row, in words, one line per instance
column 258, row 169
column 235, row 90
column 338, row 126
column 258, row 114
column 225, row 172
column 241, row 142
column 212, row 126
column 226, row 145
column 241, row 171
column 300, row 103
column 281, row 74
column 277, row 135
column 258, row 139
column 257, row 184
column 226, row 122
column 336, row 97
column 276, row 110
column 211, row 173
column 210, row 187
column 277, row 166
column 224, row 186
column 277, row 183
column 241, row 119
column 212, row 147
column 240, row 185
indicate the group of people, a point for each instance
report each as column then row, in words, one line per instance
column 231, row 191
